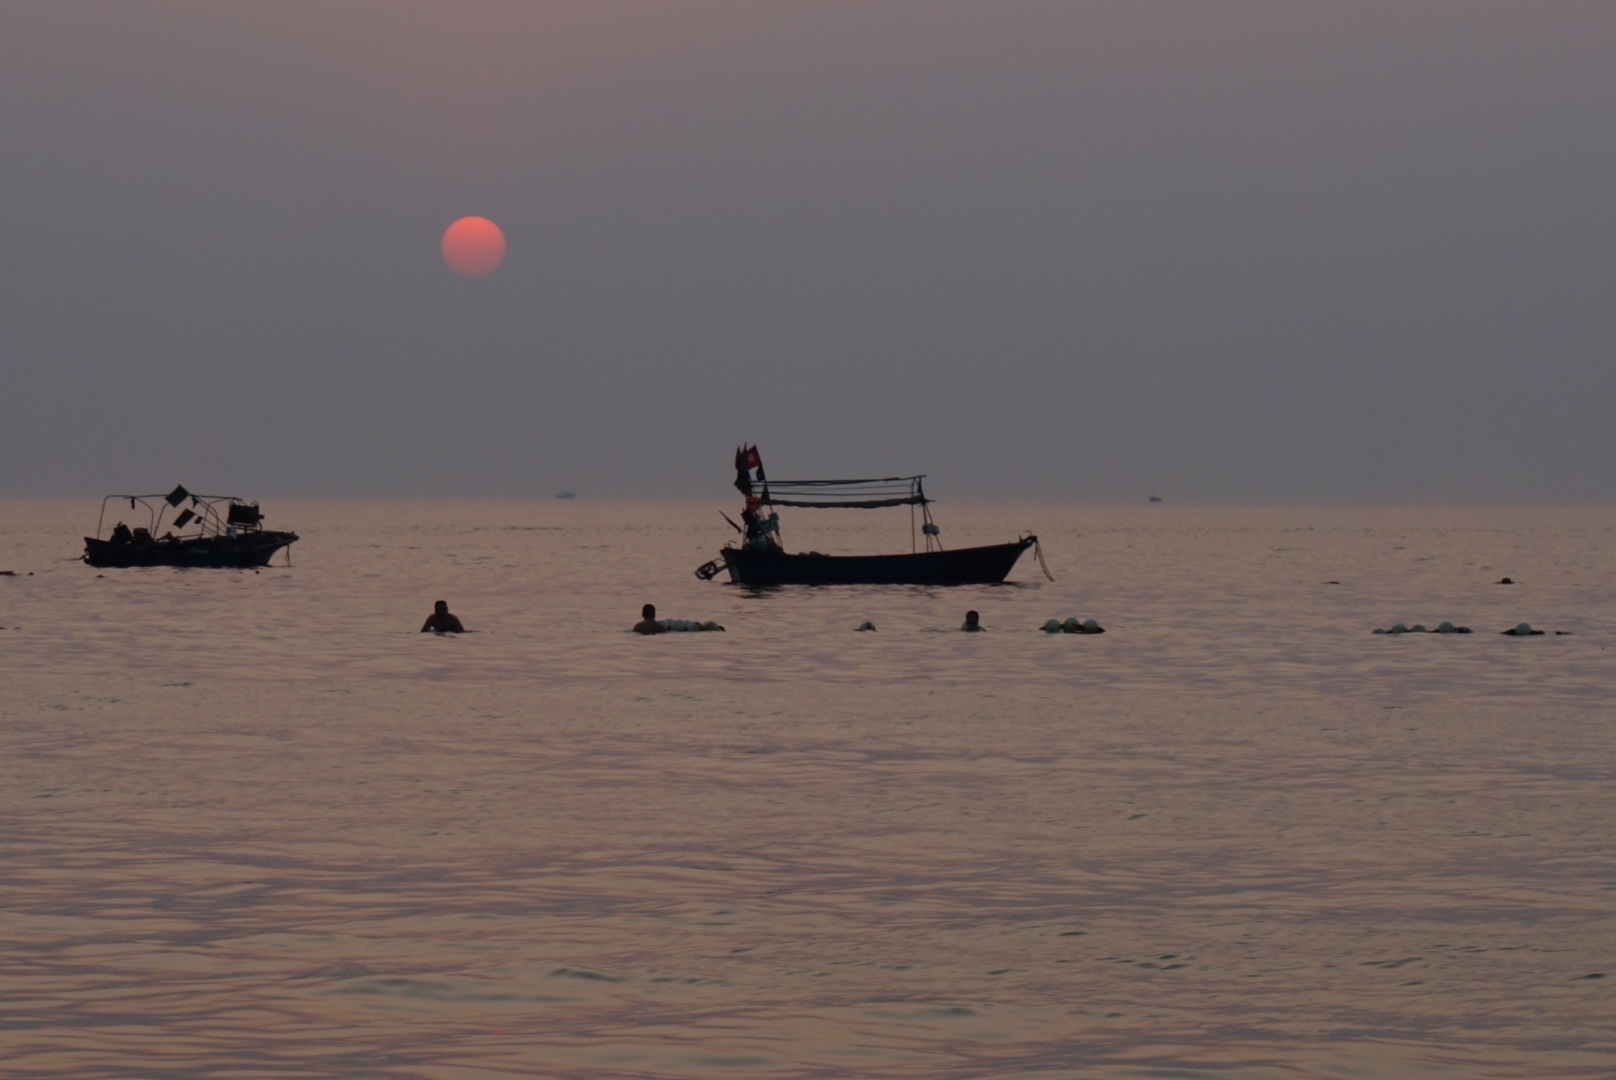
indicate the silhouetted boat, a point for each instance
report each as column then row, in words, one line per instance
column 215, row 531
column 761, row 558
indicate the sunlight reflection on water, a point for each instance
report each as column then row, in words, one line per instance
column 256, row 823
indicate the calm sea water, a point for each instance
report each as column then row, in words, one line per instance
column 256, row 825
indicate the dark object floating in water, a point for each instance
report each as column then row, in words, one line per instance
column 761, row 558
column 1072, row 626
column 1506, row 581
column 566, row 494
column 1522, row 630
column 1155, row 498
column 1443, row 627
column 225, row 531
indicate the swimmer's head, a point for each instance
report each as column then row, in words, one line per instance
column 648, row 613
column 441, row 607
column 972, row 618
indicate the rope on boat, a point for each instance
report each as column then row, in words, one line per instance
column 1038, row 550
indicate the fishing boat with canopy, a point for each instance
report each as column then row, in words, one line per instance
column 215, row 531
column 759, row 556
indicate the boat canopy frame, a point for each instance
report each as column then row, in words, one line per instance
column 204, row 512
column 876, row 493
column 847, row 494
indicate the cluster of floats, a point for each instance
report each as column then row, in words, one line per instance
column 185, row 529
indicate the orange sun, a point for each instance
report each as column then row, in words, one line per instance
column 473, row 246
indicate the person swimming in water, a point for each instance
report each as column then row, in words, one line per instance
column 973, row 623
column 648, row 622
column 441, row 622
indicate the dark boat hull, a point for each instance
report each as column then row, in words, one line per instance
column 216, row 552
column 964, row 566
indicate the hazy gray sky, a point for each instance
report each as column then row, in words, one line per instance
column 1200, row 249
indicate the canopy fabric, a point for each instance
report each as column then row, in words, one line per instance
column 845, row 494
column 865, row 504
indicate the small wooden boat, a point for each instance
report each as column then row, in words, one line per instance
column 760, row 557
column 215, row 531
column 964, row 566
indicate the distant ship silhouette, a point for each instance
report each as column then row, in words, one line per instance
column 1155, row 498
column 567, row 495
